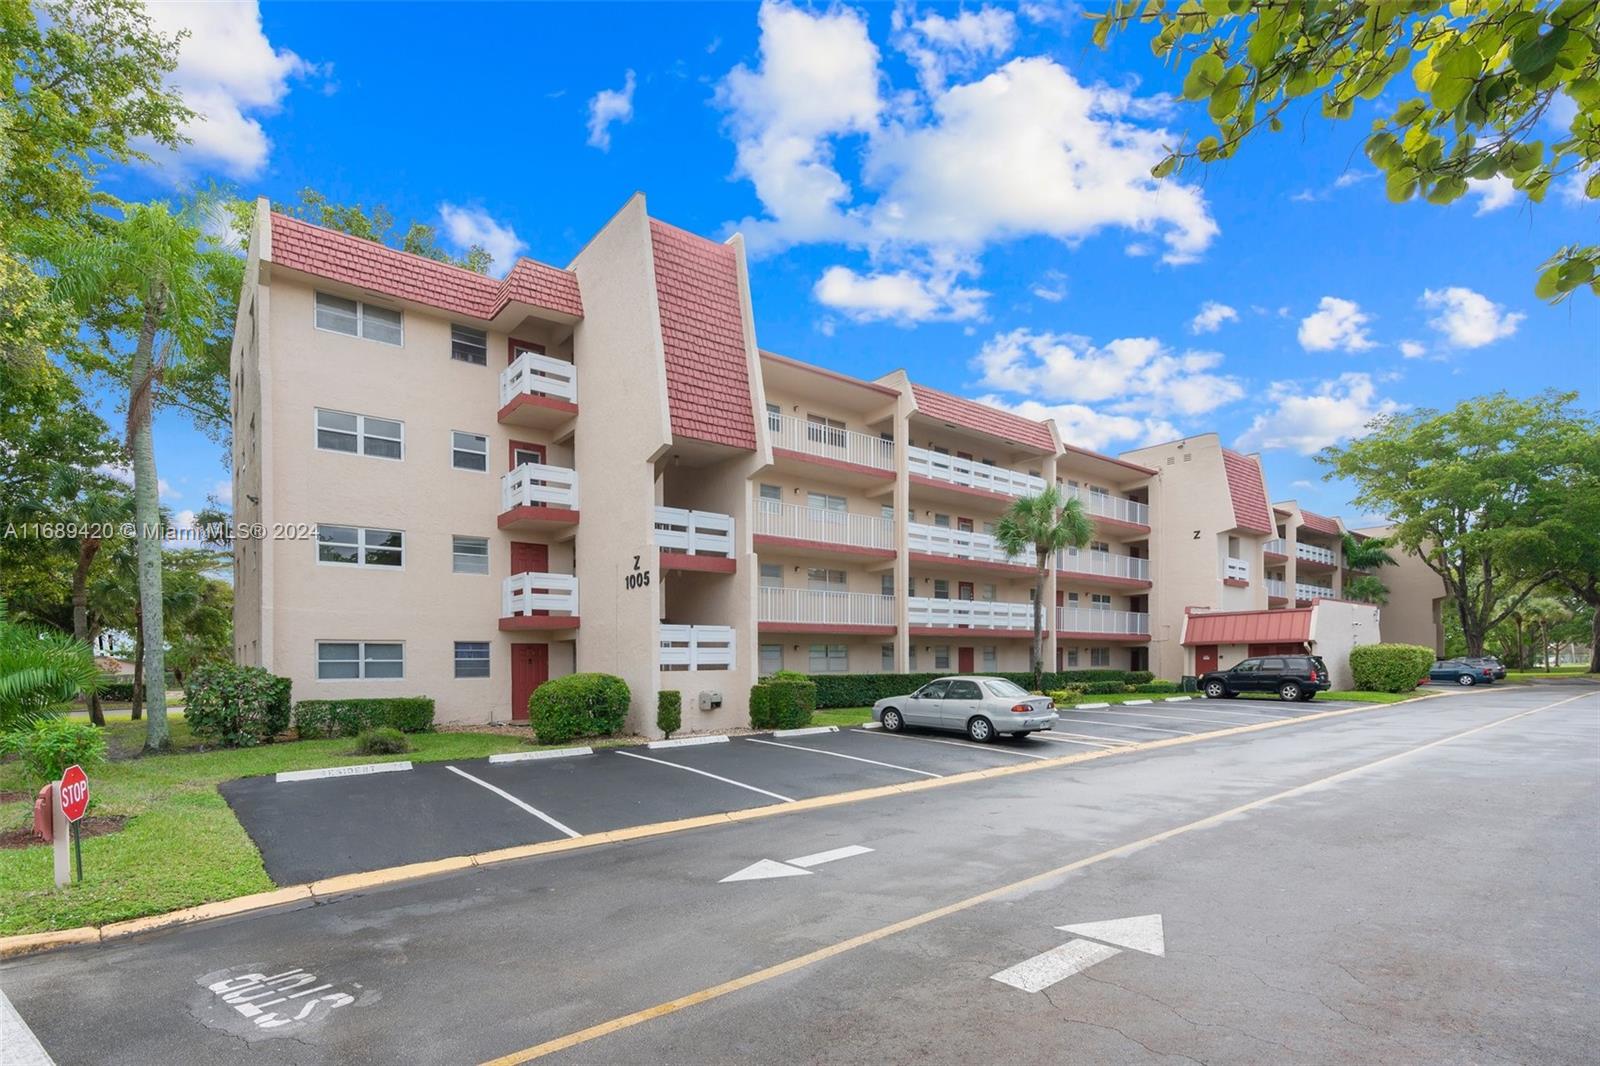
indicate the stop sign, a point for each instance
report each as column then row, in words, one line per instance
column 74, row 792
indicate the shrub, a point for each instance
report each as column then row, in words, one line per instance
column 860, row 690
column 578, row 705
column 669, row 711
column 1106, row 688
column 48, row 746
column 116, row 691
column 347, row 718
column 1065, row 697
column 382, row 740
column 236, row 706
column 1389, row 667
column 1158, row 685
column 760, row 699
column 790, row 703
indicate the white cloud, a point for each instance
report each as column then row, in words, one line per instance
column 1492, row 193
column 939, row 47
column 900, row 296
column 1211, row 317
column 223, row 491
column 229, row 74
column 1087, row 427
column 1335, row 324
column 1306, row 422
column 466, row 226
column 1413, row 349
column 1469, row 319
column 610, row 106
column 1052, row 287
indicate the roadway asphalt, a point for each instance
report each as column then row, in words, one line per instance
column 1409, row 884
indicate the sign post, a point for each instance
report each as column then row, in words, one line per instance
column 73, row 793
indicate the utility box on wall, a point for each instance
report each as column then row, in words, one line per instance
column 710, row 701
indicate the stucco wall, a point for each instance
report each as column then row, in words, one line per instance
column 1336, row 627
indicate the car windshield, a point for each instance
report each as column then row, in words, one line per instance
column 1005, row 689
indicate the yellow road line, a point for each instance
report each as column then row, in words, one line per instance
column 672, row 1006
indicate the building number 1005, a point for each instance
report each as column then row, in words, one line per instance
column 639, row 579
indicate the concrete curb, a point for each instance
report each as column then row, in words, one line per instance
column 346, row 884
column 806, row 732
column 534, row 756
column 687, row 742
column 1088, row 706
column 356, row 770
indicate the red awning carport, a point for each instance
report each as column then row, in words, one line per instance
column 1248, row 627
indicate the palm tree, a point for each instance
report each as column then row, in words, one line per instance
column 1366, row 554
column 1043, row 524
column 41, row 671
column 148, row 278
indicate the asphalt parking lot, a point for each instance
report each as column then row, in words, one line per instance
column 311, row 829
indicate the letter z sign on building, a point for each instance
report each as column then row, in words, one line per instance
column 74, row 792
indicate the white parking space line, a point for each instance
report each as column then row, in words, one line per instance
column 1082, row 743
column 1213, row 723
column 956, row 744
column 1208, row 708
column 508, row 797
column 842, row 755
column 1130, row 725
column 21, row 1047
column 1095, row 739
column 714, row 777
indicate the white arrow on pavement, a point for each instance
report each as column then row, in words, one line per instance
column 1142, row 933
column 767, row 868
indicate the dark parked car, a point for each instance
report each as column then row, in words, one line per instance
column 1496, row 667
column 1462, row 672
column 1292, row 677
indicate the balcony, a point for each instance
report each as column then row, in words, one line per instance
column 1236, row 570
column 970, row 475
column 1276, row 546
column 843, row 449
column 539, row 601
column 1311, row 553
column 783, row 610
column 696, row 648
column 1312, row 592
column 1103, row 564
column 1116, row 508
column 959, row 544
column 1101, row 621
column 779, row 524
column 538, row 391
column 1276, row 589
column 694, row 540
column 538, row 497
column 930, row 613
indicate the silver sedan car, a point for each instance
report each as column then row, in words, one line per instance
column 980, row 707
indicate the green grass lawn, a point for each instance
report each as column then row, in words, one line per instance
column 1559, row 671
column 843, row 717
column 1353, row 695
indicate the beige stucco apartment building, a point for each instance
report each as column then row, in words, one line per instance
column 456, row 486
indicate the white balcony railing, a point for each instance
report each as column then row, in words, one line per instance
column 1102, row 620
column 538, row 485
column 959, row 544
column 830, row 442
column 1276, row 587
column 1108, row 506
column 1106, row 564
column 985, row 614
column 1236, row 569
column 972, row 474
column 776, row 519
column 538, row 375
column 1311, row 592
column 694, row 532
column 1276, row 546
column 1315, row 554
column 555, row 594
column 696, row 648
column 823, row 607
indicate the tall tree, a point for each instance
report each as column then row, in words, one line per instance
column 1485, row 78
column 1043, row 524
column 378, row 225
column 1364, row 555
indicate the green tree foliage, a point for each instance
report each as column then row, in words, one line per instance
column 378, row 225
column 1042, row 525
column 41, row 672
column 1484, row 79
column 1364, row 555
column 1366, row 588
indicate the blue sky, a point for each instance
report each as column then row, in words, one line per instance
column 960, row 191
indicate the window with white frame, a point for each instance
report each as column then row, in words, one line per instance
column 991, row 592
column 942, row 521
column 771, row 659
column 340, row 431
column 771, row 576
column 1100, row 600
column 825, row 580
column 472, row 658
column 991, row 658
column 774, row 417
column 822, row 501
column 829, row 431
column 357, row 318
column 829, row 659
column 886, row 662
column 941, row 656
column 1072, row 657
column 469, row 451
column 1099, row 546
column 360, row 660
column 468, row 345
column 941, row 588
column 358, row 546
column 1099, row 656
column 469, row 555
column 770, row 499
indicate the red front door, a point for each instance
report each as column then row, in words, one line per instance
column 530, row 668
column 964, row 662
column 1205, row 659
column 518, row 347
column 529, row 558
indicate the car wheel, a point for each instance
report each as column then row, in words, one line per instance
column 1466, row 679
column 1290, row 692
column 980, row 729
column 892, row 722
column 1215, row 690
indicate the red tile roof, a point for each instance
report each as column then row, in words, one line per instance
column 337, row 256
column 1319, row 523
column 1248, row 627
column 982, row 418
column 1249, row 491
column 702, row 334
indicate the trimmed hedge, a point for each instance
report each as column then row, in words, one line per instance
column 348, row 718
column 669, row 711
column 236, row 706
column 863, row 690
column 1158, row 685
column 1389, row 667
column 578, row 705
column 383, row 740
column 785, row 700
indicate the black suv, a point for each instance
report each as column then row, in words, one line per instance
column 1292, row 677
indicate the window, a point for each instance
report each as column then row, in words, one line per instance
column 355, row 318
column 1233, row 547
column 942, row 521
column 886, row 586
column 829, row 659
column 523, row 456
column 1072, row 597
column 821, row 501
column 991, row 658
column 1099, row 546
column 990, row 593
column 771, row 499
column 472, row 658
column 774, row 417
column 1272, row 665
column 1006, row 690
column 829, row 431
column 1100, row 600
column 941, row 656
column 469, row 451
column 912, row 660
column 339, row 431
column 941, row 589
column 886, row 663
column 1072, row 657
column 469, row 346
column 771, row 576
column 963, row 690
column 354, row 546
column 469, row 555
column 818, row 577
column 358, row 660
column 1099, row 656
column 771, row 659
column 964, row 525
column 933, row 690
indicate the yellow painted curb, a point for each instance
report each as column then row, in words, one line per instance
column 30, row 943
